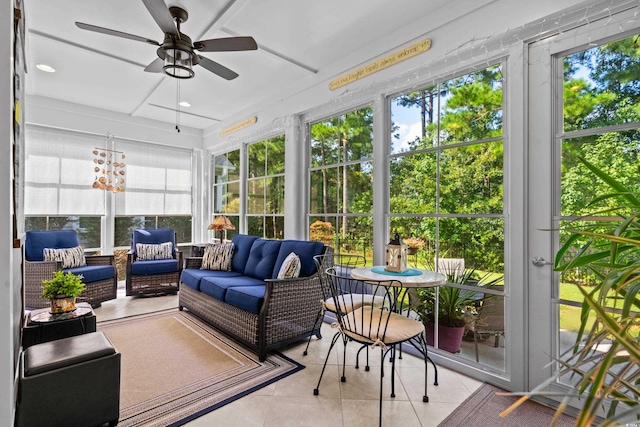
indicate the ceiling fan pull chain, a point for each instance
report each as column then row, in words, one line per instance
column 178, row 106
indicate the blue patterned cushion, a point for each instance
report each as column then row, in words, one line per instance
column 150, row 251
column 70, row 257
column 218, row 257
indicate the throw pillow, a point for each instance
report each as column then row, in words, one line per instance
column 217, row 257
column 290, row 267
column 70, row 257
column 148, row 251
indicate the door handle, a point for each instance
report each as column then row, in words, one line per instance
column 538, row 261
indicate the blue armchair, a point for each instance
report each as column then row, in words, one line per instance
column 154, row 264
column 48, row 251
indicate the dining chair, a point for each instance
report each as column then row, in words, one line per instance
column 384, row 326
column 342, row 264
column 489, row 320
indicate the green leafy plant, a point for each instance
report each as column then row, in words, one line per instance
column 605, row 359
column 69, row 284
column 456, row 307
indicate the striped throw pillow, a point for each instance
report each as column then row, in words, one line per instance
column 70, row 257
column 217, row 257
column 290, row 267
column 148, row 251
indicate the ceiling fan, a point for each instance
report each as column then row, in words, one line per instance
column 176, row 54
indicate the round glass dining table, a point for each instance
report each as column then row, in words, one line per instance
column 412, row 278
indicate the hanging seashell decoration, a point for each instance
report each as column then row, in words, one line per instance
column 106, row 178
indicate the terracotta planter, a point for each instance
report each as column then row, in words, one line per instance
column 449, row 338
column 63, row 304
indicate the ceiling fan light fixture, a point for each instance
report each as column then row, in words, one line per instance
column 178, row 64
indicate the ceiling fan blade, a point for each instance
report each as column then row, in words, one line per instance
column 216, row 68
column 115, row 33
column 155, row 66
column 160, row 13
column 226, row 44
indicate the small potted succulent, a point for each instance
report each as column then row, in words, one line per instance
column 414, row 244
column 62, row 291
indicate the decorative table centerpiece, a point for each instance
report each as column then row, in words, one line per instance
column 62, row 291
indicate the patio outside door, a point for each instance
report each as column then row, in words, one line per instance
column 571, row 114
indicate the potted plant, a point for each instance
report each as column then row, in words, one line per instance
column 457, row 308
column 62, row 291
column 414, row 244
column 606, row 382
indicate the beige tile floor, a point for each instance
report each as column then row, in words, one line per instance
column 290, row 401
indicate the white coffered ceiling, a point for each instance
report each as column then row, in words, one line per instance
column 300, row 42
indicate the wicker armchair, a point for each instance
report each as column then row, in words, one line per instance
column 153, row 276
column 99, row 275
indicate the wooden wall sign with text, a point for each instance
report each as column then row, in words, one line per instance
column 243, row 124
column 381, row 64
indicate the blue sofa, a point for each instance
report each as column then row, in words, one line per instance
column 99, row 275
column 249, row 303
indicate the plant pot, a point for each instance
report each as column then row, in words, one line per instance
column 412, row 251
column 449, row 337
column 63, row 304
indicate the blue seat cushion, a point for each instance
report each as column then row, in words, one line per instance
column 305, row 249
column 156, row 266
column 262, row 259
column 36, row 241
column 242, row 246
column 93, row 273
column 192, row 276
column 249, row 298
column 217, row 287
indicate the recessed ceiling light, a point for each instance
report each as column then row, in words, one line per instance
column 184, row 104
column 46, row 68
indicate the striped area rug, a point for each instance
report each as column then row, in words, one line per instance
column 483, row 407
column 176, row 368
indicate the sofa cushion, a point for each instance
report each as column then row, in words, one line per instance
column 36, row 241
column 242, row 243
column 218, row 257
column 305, row 249
column 192, row 276
column 157, row 266
column 217, row 287
column 290, row 267
column 262, row 259
column 248, row 298
column 70, row 257
column 93, row 273
column 154, row 251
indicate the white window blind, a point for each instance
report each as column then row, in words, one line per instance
column 158, row 180
column 59, row 173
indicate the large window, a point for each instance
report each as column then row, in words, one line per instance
column 341, row 181
column 158, row 191
column 601, row 124
column 446, row 188
column 265, row 188
column 226, row 188
column 59, row 174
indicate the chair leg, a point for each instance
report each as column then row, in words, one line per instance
column 382, row 354
column 318, row 317
column 366, row 367
column 475, row 344
column 316, row 390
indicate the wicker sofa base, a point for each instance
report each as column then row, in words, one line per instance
column 95, row 293
column 153, row 284
column 275, row 326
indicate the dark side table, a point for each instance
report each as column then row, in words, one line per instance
column 42, row 326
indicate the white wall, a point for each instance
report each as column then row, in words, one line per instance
column 7, row 324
